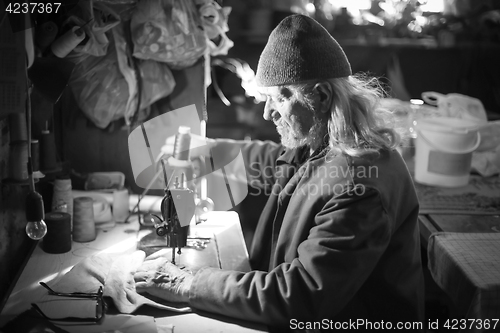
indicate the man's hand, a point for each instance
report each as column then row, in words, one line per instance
column 160, row 278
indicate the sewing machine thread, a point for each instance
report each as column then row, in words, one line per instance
column 182, row 143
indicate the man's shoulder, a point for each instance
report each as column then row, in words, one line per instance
column 369, row 168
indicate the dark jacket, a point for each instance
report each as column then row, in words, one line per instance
column 338, row 240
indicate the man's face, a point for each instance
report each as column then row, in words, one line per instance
column 296, row 122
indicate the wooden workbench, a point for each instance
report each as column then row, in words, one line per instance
column 227, row 238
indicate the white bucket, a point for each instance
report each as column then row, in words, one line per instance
column 443, row 151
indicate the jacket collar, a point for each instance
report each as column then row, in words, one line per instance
column 294, row 157
column 298, row 156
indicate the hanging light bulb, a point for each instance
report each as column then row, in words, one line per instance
column 36, row 227
column 35, row 213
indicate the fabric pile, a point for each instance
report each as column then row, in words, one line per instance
column 124, row 64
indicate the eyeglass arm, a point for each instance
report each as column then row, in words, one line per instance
column 75, row 294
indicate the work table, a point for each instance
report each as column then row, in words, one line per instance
column 226, row 243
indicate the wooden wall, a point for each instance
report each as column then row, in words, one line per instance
column 14, row 244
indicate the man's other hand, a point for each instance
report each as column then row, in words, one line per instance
column 160, row 278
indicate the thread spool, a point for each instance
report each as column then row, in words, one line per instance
column 58, row 237
column 62, row 198
column 120, row 205
column 35, row 155
column 48, row 161
column 35, row 159
column 18, row 161
column 18, row 128
column 83, row 220
column 47, row 34
column 62, row 46
column 182, row 143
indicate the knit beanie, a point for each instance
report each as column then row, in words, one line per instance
column 300, row 49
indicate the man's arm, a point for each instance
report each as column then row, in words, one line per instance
column 349, row 236
column 259, row 159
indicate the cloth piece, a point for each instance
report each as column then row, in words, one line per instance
column 478, row 197
column 335, row 255
column 300, row 49
column 458, row 106
column 214, row 20
column 116, row 274
column 486, row 163
column 467, row 267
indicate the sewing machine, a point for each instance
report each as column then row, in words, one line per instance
column 178, row 204
column 177, row 210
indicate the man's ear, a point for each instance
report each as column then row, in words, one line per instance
column 325, row 94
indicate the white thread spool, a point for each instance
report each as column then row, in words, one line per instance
column 120, row 205
column 62, row 46
column 62, row 198
column 83, row 220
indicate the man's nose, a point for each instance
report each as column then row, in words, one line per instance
column 268, row 111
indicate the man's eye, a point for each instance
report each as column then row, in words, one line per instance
column 275, row 98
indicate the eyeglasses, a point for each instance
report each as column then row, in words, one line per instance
column 98, row 296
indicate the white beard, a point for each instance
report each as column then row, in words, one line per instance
column 291, row 139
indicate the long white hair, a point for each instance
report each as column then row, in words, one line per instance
column 357, row 124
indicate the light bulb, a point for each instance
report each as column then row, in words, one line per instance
column 36, row 230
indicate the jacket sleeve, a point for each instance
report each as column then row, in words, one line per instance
column 348, row 237
column 259, row 158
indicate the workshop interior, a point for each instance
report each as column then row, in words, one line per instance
column 90, row 91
